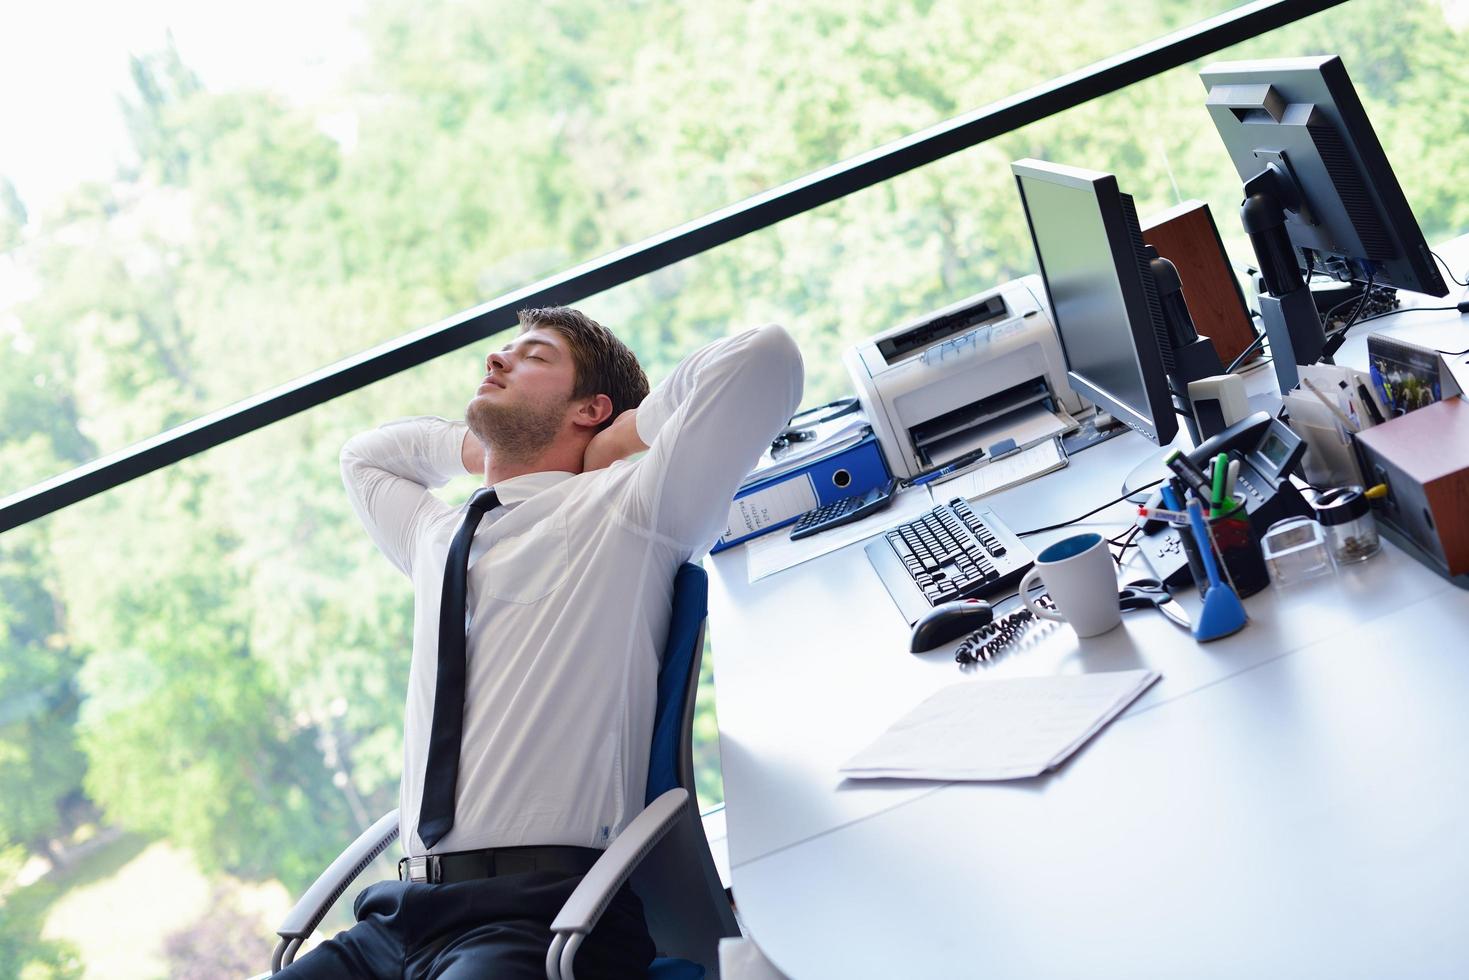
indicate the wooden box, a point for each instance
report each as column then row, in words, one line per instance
column 1187, row 237
column 1423, row 457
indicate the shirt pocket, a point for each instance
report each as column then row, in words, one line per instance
column 528, row 567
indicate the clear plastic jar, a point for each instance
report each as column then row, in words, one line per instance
column 1295, row 550
column 1346, row 517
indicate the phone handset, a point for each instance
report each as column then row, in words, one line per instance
column 1242, row 437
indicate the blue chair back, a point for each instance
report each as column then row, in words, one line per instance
column 686, row 907
column 678, row 685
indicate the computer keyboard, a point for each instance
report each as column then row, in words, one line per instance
column 955, row 551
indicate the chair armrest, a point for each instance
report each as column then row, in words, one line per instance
column 590, row 900
column 312, row 907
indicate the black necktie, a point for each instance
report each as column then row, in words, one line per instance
column 436, row 812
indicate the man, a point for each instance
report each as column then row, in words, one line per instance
column 533, row 740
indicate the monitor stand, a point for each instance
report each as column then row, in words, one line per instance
column 1149, row 471
column 1287, row 306
column 1191, row 357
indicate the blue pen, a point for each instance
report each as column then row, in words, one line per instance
column 1169, row 500
column 957, row 464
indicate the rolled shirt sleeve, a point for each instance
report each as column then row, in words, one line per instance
column 388, row 473
column 706, row 425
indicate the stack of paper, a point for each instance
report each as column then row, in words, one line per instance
column 999, row 729
column 997, row 474
column 824, row 439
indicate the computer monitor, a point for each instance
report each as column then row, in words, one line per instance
column 1102, row 293
column 1319, row 192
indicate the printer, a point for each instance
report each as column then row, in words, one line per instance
column 969, row 376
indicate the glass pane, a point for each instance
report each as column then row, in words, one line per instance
column 201, row 698
column 201, row 673
column 196, row 205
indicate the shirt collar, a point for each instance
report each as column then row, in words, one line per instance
column 518, row 489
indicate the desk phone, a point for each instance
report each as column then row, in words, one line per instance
column 1268, row 452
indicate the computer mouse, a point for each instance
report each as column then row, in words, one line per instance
column 949, row 621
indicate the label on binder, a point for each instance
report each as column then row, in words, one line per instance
column 774, row 505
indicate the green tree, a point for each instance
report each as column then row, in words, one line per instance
column 161, row 84
column 13, row 215
column 187, row 733
column 41, row 767
column 23, row 953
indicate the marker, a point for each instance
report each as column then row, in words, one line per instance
column 1159, row 514
column 1221, row 477
column 1230, row 507
column 1231, row 480
column 1170, row 499
column 1189, row 472
column 1180, row 492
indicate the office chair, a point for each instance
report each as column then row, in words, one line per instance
column 663, row 850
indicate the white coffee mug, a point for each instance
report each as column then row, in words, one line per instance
column 1077, row 572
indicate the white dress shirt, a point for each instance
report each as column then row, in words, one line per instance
column 570, row 582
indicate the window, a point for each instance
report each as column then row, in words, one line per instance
column 202, row 674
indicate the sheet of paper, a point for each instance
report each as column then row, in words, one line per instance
column 1339, row 384
column 1005, row 472
column 1027, row 426
column 998, row 729
column 829, row 437
column 775, row 552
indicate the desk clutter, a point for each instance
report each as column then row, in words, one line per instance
column 1400, row 430
column 998, row 729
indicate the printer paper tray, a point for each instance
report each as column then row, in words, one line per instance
column 931, row 438
column 1027, row 426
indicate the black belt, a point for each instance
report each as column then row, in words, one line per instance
column 493, row 861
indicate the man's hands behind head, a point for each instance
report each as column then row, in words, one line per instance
column 618, row 441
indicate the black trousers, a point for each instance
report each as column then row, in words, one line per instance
column 490, row 927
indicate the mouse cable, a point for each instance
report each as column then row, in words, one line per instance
column 1333, row 344
column 1358, row 299
column 1117, row 500
column 1446, row 268
column 1123, row 541
column 1255, row 345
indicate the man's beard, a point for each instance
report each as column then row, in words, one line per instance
column 517, row 433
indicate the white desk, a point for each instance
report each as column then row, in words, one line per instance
column 1290, row 801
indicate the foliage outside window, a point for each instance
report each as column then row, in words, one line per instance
column 202, row 672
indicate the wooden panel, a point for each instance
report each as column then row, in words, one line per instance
column 1448, row 499
column 1187, row 237
column 1431, row 445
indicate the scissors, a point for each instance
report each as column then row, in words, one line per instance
column 1145, row 592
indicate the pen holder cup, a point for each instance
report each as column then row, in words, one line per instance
column 1237, row 549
